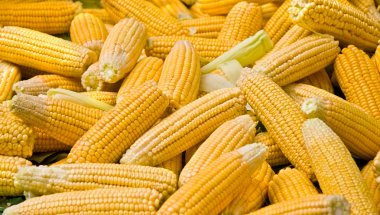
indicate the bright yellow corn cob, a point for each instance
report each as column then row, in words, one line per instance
column 121, row 49
column 244, row 20
column 181, row 76
column 100, row 201
column 358, row 130
column 8, row 167
column 196, row 11
column 111, row 136
column 368, row 7
column 309, row 205
column 209, row 49
column 268, row 10
column 107, row 97
column 190, row 152
column 40, row 84
column 174, row 8
column 335, row 169
column 186, row 127
column 45, row 143
column 281, row 116
column 63, row 120
column 89, row 31
column 173, row 164
column 148, row 68
column 208, row 26
column 359, row 79
column 9, row 75
column 44, row 52
column 313, row 52
column 156, row 22
column 319, row 79
column 213, row 188
column 52, row 17
column 374, row 187
column 92, row 81
column 290, row 184
column 254, row 196
column 275, row 155
column 100, row 13
column 230, row 136
column 43, row 180
column 279, row 23
column 355, row 28
column 217, row 7
column 291, row 36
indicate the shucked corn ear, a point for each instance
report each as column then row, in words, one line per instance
column 213, row 188
column 230, row 136
column 121, row 50
column 43, row 180
column 100, row 201
column 367, row 6
column 319, row 79
column 281, row 116
column 44, row 52
column 92, row 81
column 268, row 9
column 45, row 143
column 9, row 167
column 186, row 127
column 343, row 21
column 275, row 155
column 335, row 169
column 100, row 13
column 104, row 96
column 358, row 130
column 279, row 23
column 156, row 22
column 9, row 75
column 208, row 26
column 291, row 36
column 370, row 179
column 221, row 7
column 180, row 77
column 174, row 8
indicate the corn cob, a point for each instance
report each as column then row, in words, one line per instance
column 107, row 97
column 9, row 75
column 291, row 36
column 368, row 7
column 376, row 58
column 173, row 164
column 280, row 115
column 186, row 127
column 52, row 17
column 196, row 11
column 309, row 205
column 230, row 136
column 45, row 143
column 151, row 16
column 335, row 169
column 370, row 179
column 208, row 49
column 208, row 27
column 355, row 28
column 100, row 201
column 313, row 53
column 148, row 68
column 107, row 140
column 275, row 155
column 100, row 13
column 40, row 84
column 43, row 180
column 121, row 50
column 213, row 188
column 89, row 31
column 191, row 151
column 243, row 21
column 279, row 23
column 290, row 184
column 268, row 9
column 216, row 7
column 44, row 52
column 359, row 79
column 358, row 130
column 180, row 77
column 92, row 81
column 255, row 194
column 319, row 79
column 9, row 166
column 174, row 8
column 63, row 120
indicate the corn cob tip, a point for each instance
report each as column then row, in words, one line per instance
column 254, row 154
column 310, row 107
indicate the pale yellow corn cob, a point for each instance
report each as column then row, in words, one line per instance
column 174, row 8
column 268, row 9
column 40, row 84
column 359, row 79
column 100, row 201
column 309, row 205
column 281, row 116
column 44, row 52
column 107, row 97
column 156, row 22
column 230, row 136
column 45, row 143
column 121, row 50
column 9, row 75
column 279, row 23
column 173, row 164
column 319, row 79
column 208, row 27
column 100, row 13
column 9, row 167
column 186, row 127
column 149, row 68
column 92, row 81
column 213, row 188
column 374, row 187
column 52, row 17
column 190, row 152
column 368, row 7
column 63, row 120
column 355, row 28
column 358, row 130
column 275, row 155
column 221, row 7
column 89, row 31
column 291, row 36
column 335, row 169
column 181, row 76
column 243, row 21
column 43, row 180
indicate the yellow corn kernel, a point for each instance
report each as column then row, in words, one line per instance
column 186, row 127
column 9, row 167
column 291, row 36
column 104, row 96
column 205, row 25
column 100, row 13
column 268, row 9
column 173, row 164
column 368, row 7
column 9, row 75
column 374, row 187
column 92, row 81
column 45, row 143
column 279, row 23
column 275, row 155
column 319, row 79
column 196, row 11
column 174, row 8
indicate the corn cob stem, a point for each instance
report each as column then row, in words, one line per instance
column 9, row 167
column 92, row 81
